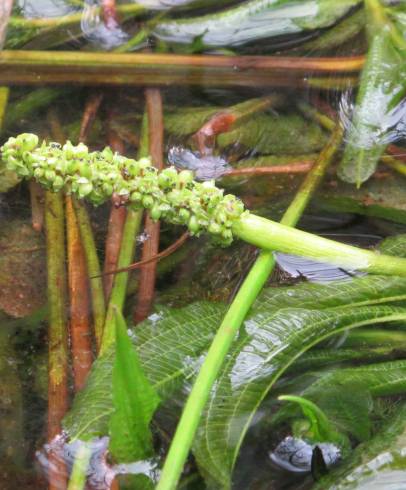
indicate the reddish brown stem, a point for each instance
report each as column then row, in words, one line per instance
column 115, row 227
column 397, row 152
column 156, row 258
column 292, row 168
column 39, row 67
column 89, row 115
column 110, row 17
column 80, row 328
column 151, row 245
column 225, row 121
column 219, row 123
column 37, row 197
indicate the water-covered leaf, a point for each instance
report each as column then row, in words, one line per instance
column 375, row 464
column 319, row 428
column 378, row 109
column 134, row 401
column 346, row 402
column 269, row 133
column 274, row 337
column 170, row 345
column 254, row 20
column 383, row 197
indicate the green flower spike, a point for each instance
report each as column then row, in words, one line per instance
column 98, row 176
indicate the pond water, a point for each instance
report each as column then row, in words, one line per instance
column 271, row 100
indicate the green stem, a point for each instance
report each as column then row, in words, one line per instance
column 93, row 268
column 118, row 292
column 4, row 94
column 266, row 234
column 58, row 355
column 394, row 163
column 77, row 479
column 230, row 325
column 131, row 229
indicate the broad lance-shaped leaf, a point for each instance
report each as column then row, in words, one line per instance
column 376, row 464
column 172, row 343
column 377, row 111
column 273, row 340
column 134, row 401
column 170, row 346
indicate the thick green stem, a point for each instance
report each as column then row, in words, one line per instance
column 232, row 321
column 266, row 234
column 93, row 268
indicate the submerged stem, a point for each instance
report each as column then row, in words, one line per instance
column 155, row 133
column 93, row 268
column 58, row 356
column 232, row 321
column 80, row 325
column 131, row 229
column 77, row 479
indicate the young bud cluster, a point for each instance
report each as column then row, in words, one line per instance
column 97, row 176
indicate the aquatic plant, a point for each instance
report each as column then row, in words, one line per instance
column 174, row 197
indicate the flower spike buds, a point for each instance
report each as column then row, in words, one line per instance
column 97, row 176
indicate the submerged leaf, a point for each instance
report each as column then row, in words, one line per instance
column 169, row 345
column 134, row 401
column 172, row 343
column 275, row 335
column 377, row 110
column 254, row 20
column 268, row 133
column 378, row 463
column 320, row 428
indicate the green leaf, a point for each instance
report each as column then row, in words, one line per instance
column 379, row 197
column 134, row 402
column 170, row 345
column 345, row 395
column 92, row 407
column 320, row 429
column 253, row 20
column 268, row 133
column 394, row 245
column 377, row 463
column 382, row 87
column 274, row 339
column 347, row 405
